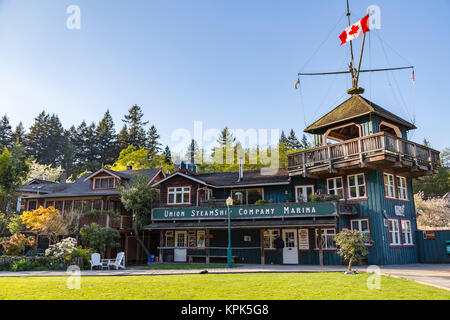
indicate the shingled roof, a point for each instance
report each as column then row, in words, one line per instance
column 354, row 107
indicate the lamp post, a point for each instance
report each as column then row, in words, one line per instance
column 229, row 203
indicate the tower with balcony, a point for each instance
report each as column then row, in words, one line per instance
column 362, row 154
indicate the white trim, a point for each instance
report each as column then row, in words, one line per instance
column 358, row 196
column 154, row 177
column 246, row 193
column 394, row 232
column 396, row 129
column 303, row 186
column 175, row 193
column 102, row 170
column 336, row 188
column 407, row 234
column 103, row 178
column 183, row 175
column 389, row 188
column 325, row 234
column 402, row 186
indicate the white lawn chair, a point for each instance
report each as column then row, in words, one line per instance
column 96, row 260
column 118, row 262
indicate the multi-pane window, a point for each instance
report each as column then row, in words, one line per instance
column 179, row 195
column 169, row 239
column 104, row 183
column 201, row 236
column 401, row 188
column 303, row 193
column 361, row 225
column 407, row 233
column 356, row 186
column 247, row 196
column 32, row 205
column 327, row 237
column 394, row 232
column 192, row 238
column 269, row 237
column 389, row 185
column 336, row 187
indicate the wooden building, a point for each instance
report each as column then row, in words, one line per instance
column 95, row 193
column 361, row 155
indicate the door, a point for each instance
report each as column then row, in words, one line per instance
column 303, row 193
column 180, row 241
column 290, row 250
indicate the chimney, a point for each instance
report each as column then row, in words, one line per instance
column 241, row 169
column 129, row 167
column 63, row 177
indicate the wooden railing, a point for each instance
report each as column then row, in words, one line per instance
column 362, row 147
column 117, row 222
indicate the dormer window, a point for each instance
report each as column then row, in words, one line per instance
column 104, row 183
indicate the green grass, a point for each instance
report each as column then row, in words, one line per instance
column 178, row 266
column 220, row 286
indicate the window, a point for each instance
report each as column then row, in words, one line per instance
column 327, row 238
column 49, row 204
column 407, row 233
column 361, row 225
column 401, row 188
column 201, row 238
column 269, row 237
column 389, row 186
column 356, row 186
column 169, row 239
column 104, row 183
column 32, row 205
column 97, row 205
column 394, row 232
column 247, row 196
column 336, row 187
column 192, row 239
column 303, row 193
column 179, row 195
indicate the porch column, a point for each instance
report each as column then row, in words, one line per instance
column 207, row 246
column 261, row 233
column 161, row 243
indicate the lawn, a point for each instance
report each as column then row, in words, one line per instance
column 219, row 286
column 178, row 266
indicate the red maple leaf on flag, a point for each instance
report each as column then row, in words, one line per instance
column 353, row 30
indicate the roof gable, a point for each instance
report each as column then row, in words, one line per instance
column 354, row 107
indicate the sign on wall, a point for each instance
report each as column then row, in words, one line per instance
column 246, row 212
column 303, row 239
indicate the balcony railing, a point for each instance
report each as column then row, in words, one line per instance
column 117, row 222
column 361, row 151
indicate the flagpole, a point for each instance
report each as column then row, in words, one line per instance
column 360, row 59
column 351, row 49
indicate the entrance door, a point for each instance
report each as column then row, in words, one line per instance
column 290, row 251
column 303, row 193
column 180, row 241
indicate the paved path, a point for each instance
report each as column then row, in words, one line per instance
column 437, row 275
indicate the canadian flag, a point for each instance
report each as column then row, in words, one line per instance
column 355, row 30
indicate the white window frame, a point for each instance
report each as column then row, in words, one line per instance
column 389, row 188
column 402, row 188
column 199, row 234
column 303, row 186
column 326, row 233
column 104, row 178
column 407, row 234
column 357, row 186
column 244, row 192
column 359, row 228
column 335, row 188
column 394, row 233
column 178, row 190
column 272, row 236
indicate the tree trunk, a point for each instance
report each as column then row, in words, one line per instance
column 350, row 264
column 138, row 239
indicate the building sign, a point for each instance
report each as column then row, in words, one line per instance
column 246, row 212
column 399, row 210
column 429, row 234
column 303, row 239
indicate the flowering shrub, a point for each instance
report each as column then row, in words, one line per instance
column 62, row 249
column 27, row 263
column 17, row 244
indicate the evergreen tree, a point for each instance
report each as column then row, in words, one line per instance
column 5, row 133
column 153, row 145
column 426, row 143
column 283, row 138
column 192, row 151
column 136, row 132
column 226, row 138
column 19, row 134
column 105, row 137
column 305, row 143
column 167, row 156
column 82, row 139
column 47, row 140
column 122, row 140
column 292, row 141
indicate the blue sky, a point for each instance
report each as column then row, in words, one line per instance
column 227, row 63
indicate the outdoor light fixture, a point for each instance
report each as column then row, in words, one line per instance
column 229, row 203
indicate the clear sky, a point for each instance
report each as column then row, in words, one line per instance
column 227, row 63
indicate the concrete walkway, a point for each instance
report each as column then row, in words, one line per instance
column 437, row 275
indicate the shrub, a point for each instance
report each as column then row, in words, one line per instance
column 84, row 254
column 351, row 245
column 62, row 249
column 17, row 244
column 27, row 263
column 99, row 238
column 261, row 202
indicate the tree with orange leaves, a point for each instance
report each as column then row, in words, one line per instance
column 48, row 221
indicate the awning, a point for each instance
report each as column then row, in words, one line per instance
column 223, row 224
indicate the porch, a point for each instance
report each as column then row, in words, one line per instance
column 376, row 151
